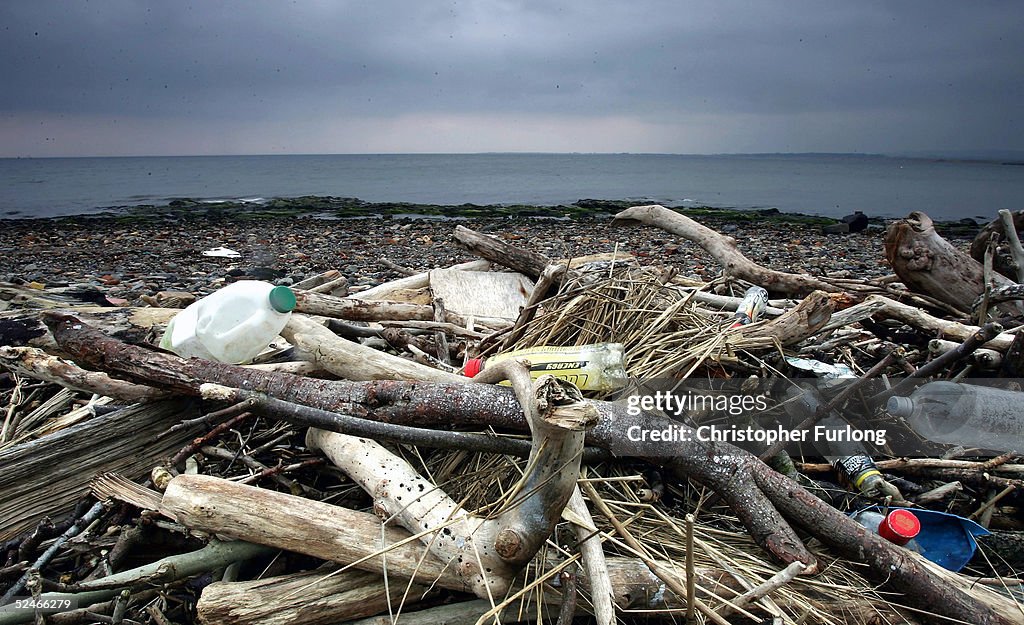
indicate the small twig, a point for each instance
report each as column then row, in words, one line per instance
column 209, row 418
column 192, row 447
column 291, row 468
column 691, row 581
column 773, row 583
column 993, row 501
column 594, row 563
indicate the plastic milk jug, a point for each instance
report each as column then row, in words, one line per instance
column 231, row 325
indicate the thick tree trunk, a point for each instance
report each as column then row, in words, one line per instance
column 928, row 264
column 46, row 477
column 753, row 490
column 724, row 250
column 1004, row 260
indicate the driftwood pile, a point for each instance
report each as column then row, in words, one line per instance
column 354, row 476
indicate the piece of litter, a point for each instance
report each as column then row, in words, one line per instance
column 221, row 252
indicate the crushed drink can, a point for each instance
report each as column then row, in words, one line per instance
column 750, row 309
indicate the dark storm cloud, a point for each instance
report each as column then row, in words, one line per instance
column 956, row 66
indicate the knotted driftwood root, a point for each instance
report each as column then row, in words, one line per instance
column 724, row 250
column 929, row 264
column 487, row 551
column 758, row 495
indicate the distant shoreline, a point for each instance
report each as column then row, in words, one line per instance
column 329, row 208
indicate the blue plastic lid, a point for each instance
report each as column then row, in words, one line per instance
column 282, row 299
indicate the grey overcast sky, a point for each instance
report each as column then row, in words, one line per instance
column 122, row 77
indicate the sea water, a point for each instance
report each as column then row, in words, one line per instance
column 820, row 184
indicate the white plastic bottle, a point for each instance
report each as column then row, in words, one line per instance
column 964, row 414
column 231, row 325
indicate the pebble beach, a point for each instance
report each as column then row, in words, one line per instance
column 127, row 258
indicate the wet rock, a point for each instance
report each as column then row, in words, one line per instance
column 858, row 221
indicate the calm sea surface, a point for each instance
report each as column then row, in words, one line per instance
column 831, row 185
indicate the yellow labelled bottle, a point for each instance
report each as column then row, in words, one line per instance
column 598, row 367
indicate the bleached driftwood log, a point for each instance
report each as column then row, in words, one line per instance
column 488, row 551
column 358, row 539
column 353, row 361
column 796, row 324
column 526, row 262
column 929, row 264
column 364, row 310
column 724, row 251
column 317, row 597
column 35, row 363
column 397, row 290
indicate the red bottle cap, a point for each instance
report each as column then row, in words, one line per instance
column 899, row 526
column 473, row 367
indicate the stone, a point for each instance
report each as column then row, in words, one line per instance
column 839, row 228
column 858, row 221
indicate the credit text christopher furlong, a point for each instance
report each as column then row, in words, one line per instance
column 733, row 405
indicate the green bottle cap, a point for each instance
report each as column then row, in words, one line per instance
column 282, row 299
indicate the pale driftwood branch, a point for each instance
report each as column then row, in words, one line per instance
column 528, row 263
column 393, row 290
column 927, row 263
column 318, row 597
column 547, row 279
column 772, row 584
column 353, row 361
column 729, row 303
column 487, row 551
column 592, row 553
column 724, row 250
column 1016, row 250
column 35, row 363
column 887, row 308
column 985, row 359
column 353, row 309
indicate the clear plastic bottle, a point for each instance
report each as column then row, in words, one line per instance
column 899, row 526
column 231, row 325
column 850, row 458
column 597, row 367
column 964, row 414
